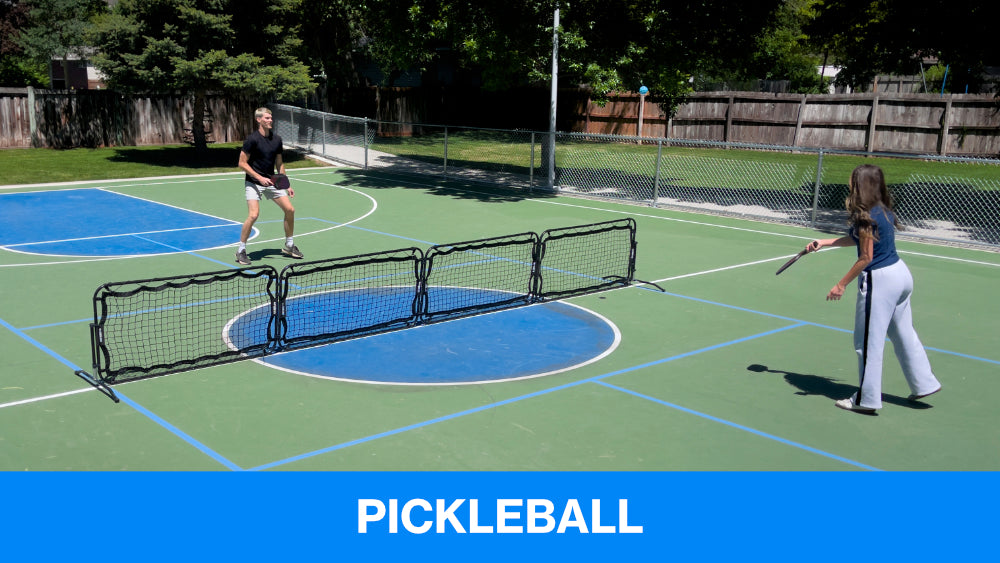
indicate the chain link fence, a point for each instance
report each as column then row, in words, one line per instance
column 942, row 199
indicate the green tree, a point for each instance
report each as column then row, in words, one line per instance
column 785, row 52
column 870, row 37
column 332, row 31
column 609, row 45
column 238, row 47
column 672, row 42
column 16, row 68
column 58, row 29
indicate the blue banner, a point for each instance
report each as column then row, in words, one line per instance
column 485, row 516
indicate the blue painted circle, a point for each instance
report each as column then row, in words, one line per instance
column 514, row 343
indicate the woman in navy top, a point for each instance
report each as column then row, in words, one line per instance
column 884, row 288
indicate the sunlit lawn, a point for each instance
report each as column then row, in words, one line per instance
column 35, row 166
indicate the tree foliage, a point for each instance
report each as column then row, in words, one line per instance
column 332, row 31
column 785, row 52
column 608, row 45
column 57, row 29
column 870, row 37
column 16, row 67
column 200, row 46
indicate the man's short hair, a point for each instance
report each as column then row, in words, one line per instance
column 260, row 113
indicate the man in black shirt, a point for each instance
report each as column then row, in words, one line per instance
column 260, row 156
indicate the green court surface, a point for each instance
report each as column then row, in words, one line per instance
column 728, row 368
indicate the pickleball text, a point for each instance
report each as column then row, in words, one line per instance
column 505, row 516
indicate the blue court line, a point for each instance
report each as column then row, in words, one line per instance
column 376, row 232
column 739, row 427
column 598, row 379
column 734, row 307
column 156, row 310
column 171, row 428
column 595, row 379
column 706, row 301
column 818, row 325
column 189, row 252
column 179, row 433
column 38, row 345
column 966, row 356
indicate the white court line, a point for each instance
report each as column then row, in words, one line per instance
column 325, row 170
column 733, row 267
column 97, row 237
column 46, row 397
column 267, row 360
column 90, row 184
column 97, row 184
column 766, row 260
column 676, row 220
column 704, row 224
column 965, row 260
column 374, row 207
column 147, row 200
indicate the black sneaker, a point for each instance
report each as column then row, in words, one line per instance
column 241, row 257
column 292, row 251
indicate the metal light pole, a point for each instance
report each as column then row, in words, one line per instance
column 552, row 104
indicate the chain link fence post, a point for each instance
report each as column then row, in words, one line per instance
column 531, row 167
column 656, row 175
column 816, row 187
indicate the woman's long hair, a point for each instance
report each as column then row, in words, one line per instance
column 867, row 189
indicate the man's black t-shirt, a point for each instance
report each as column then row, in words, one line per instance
column 262, row 152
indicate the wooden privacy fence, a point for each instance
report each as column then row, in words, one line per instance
column 96, row 118
column 954, row 124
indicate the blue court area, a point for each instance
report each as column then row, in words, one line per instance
column 509, row 344
column 96, row 222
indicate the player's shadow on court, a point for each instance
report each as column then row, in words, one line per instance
column 828, row 387
column 264, row 253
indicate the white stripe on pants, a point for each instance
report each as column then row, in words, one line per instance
column 883, row 309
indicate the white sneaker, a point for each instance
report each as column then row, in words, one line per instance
column 849, row 405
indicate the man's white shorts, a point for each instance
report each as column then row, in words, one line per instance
column 254, row 191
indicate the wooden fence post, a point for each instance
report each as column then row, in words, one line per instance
column 798, row 120
column 945, row 125
column 32, row 120
column 872, row 122
column 729, row 120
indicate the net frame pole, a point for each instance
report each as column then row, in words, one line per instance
column 492, row 249
column 102, row 348
column 95, row 379
column 547, row 237
column 326, row 266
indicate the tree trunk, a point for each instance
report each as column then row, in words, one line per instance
column 198, row 122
